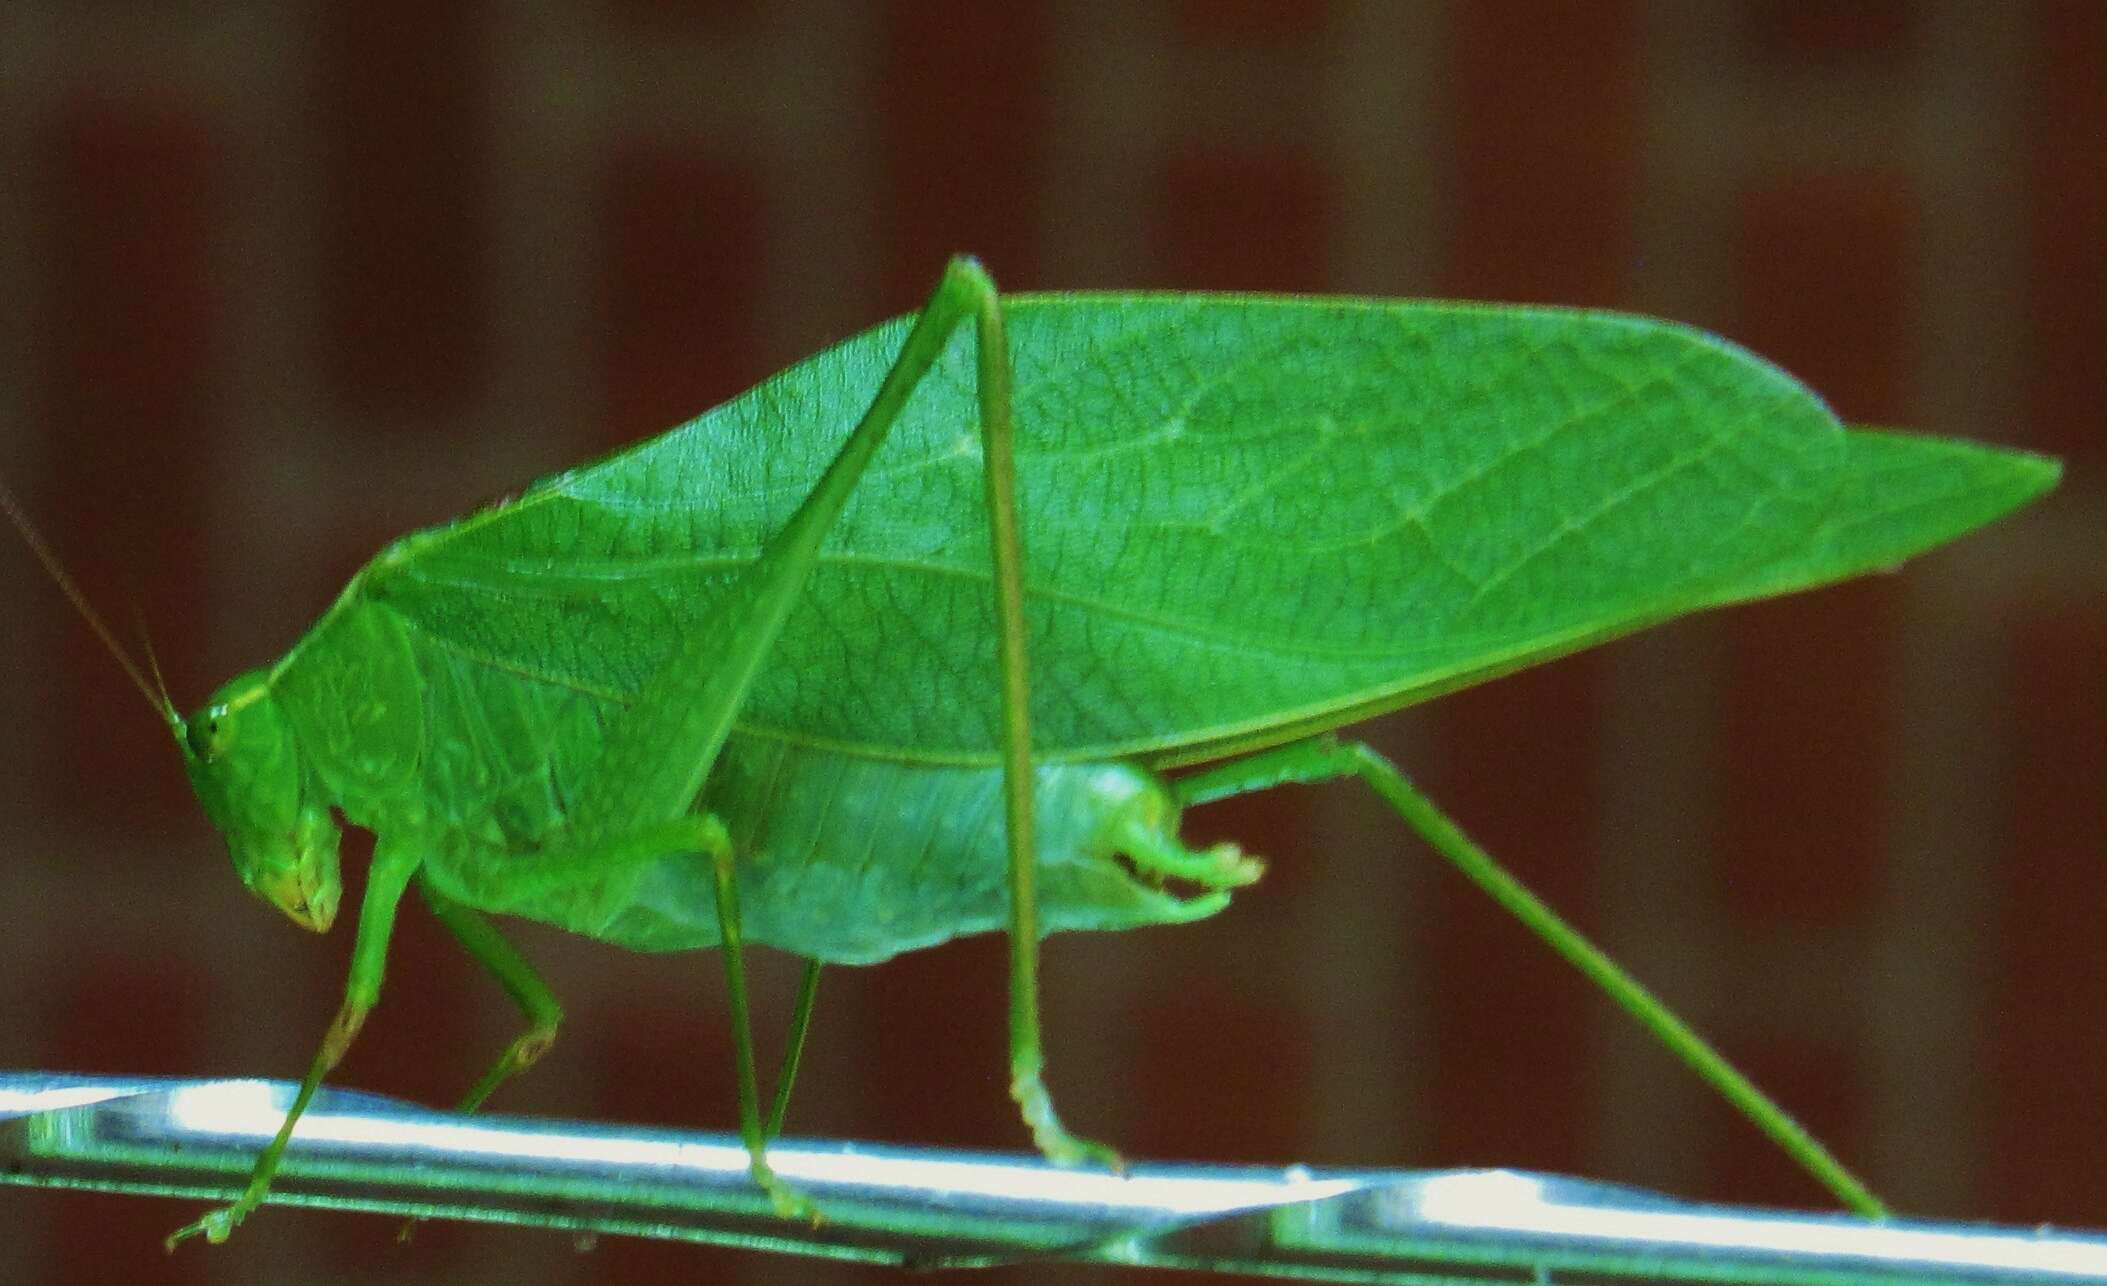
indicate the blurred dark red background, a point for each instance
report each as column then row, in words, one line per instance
column 283, row 282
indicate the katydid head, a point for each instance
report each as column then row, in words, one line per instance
column 244, row 761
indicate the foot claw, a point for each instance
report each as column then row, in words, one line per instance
column 792, row 1204
column 216, row 1225
column 1065, row 1149
column 1055, row 1142
column 789, row 1203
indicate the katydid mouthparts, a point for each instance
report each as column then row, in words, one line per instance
column 913, row 639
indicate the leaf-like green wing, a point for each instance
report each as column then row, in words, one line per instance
column 1901, row 494
column 1243, row 517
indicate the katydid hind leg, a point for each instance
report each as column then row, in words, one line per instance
column 1027, row 1056
column 389, row 878
column 659, row 751
column 1324, row 759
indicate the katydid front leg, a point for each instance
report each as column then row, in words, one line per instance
column 394, row 862
column 1323, row 759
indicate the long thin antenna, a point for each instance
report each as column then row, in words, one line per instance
column 153, row 663
column 20, row 518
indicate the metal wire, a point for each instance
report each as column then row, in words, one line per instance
column 933, row 1209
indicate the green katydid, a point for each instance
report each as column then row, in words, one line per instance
column 759, row 680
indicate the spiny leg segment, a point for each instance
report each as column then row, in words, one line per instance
column 1324, row 759
column 544, row 1014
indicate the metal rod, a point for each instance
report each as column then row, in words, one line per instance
column 930, row 1209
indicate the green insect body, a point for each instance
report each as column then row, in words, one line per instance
column 843, row 858
column 854, row 860
column 758, row 680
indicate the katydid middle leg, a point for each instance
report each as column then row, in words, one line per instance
column 788, row 1202
column 659, row 752
column 793, row 1049
column 544, row 1014
column 519, row 979
column 1323, row 759
column 593, row 858
column 502, row 961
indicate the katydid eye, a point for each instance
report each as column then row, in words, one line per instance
column 205, row 735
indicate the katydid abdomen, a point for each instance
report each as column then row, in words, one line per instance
column 842, row 857
column 853, row 860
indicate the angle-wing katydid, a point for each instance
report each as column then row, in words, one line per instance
column 744, row 683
